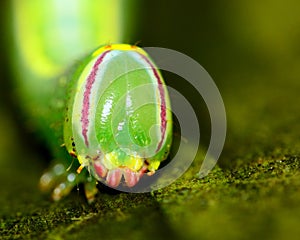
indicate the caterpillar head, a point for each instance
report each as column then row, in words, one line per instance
column 119, row 119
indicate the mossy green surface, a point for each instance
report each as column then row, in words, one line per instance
column 253, row 192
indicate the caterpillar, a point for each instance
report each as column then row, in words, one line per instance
column 106, row 117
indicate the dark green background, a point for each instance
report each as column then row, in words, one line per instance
column 251, row 49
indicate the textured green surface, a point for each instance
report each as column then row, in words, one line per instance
column 253, row 54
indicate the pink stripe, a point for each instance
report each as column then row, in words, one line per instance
column 86, row 97
column 163, row 102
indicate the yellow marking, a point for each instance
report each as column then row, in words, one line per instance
column 153, row 165
column 110, row 160
column 122, row 47
column 81, row 159
column 72, row 153
column 135, row 163
column 80, row 168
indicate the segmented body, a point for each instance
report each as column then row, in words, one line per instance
column 110, row 111
column 119, row 119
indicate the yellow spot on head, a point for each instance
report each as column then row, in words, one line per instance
column 114, row 160
column 110, row 160
column 135, row 163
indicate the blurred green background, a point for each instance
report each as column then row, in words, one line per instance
column 251, row 49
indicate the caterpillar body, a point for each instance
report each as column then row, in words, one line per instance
column 108, row 118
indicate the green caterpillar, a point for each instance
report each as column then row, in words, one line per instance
column 108, row 117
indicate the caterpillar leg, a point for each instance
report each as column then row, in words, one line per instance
column 90, row 189
column 60, row 181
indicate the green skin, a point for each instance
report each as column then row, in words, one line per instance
column 51, row 103
column 126, row 139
